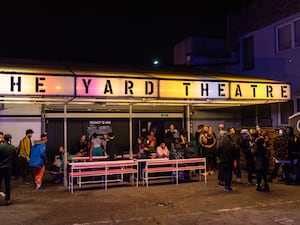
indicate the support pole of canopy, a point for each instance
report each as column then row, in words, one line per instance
column 43, row 121
column 130, row 131
column 66, row 147
column 188, row 123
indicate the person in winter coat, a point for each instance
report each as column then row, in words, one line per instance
column 38, row 159
column 227, row 156
column 246, row 145
column 280, row 157
column 261, row 164
column 7, row 154
column 112, row 147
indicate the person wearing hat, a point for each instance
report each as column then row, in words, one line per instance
column 24, row 155
column 7, row 154
column 38, row 159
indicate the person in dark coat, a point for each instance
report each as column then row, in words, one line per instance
column 112, row 148
column 246, row 145
column 7, row 154
column 280, row 144
column 293, row 152
column 261, row 164
column 227, row 157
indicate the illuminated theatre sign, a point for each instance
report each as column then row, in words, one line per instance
column 32, row 85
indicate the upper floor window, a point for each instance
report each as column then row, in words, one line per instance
column 297, row 33
column 248, row 53
column 284, row 38
column 288, row 35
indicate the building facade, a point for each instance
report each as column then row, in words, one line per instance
column 263, row 40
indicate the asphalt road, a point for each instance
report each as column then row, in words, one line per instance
column 189, row 203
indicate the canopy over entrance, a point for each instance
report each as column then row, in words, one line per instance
column 56, row 84
column 69, row 87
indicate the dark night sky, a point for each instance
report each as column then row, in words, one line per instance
column 107, row 39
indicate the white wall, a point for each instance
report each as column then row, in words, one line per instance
column 17, row 118
column 18, row 125
column 21, row 109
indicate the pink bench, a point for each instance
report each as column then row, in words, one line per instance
column 103, row 170
column 166, row 165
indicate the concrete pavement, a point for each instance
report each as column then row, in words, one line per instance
column 188, row 203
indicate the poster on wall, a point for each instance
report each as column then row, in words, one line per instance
column 100, row 127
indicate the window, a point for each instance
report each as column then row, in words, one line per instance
column 264, row 115
column 297, row 33
column 256, row 114
column 284, row 38
column 286, row 110
column 288, row 35
column 248, row 116
column 248, row 53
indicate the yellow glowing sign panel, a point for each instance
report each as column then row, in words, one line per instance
column 193, row 89
column 12, row 84
column 20, row 84
column 259, row 91
column 116, row 87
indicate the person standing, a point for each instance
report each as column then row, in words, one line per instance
column 197, row 138
column 112, row 147
column 247, row 142
column 38, row 160
column 7, row 154
column 219, row 136
column 237, row 169
column 261, row 164
column 209, row 143
column 293, row 148
column 96, row 149
column 24, row 155
column 170, row 135
column 82, row 146
column 227, row 156
column 280, row 144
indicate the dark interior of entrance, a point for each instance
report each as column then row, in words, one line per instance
column 120, row 128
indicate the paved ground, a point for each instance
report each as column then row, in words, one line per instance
column 187, row 204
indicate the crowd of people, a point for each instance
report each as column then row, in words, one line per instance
column 31, row 157
column 96, row 146
column 222, row 150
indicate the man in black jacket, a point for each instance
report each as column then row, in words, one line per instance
column 112, row 148
column 227, row 156
column 7, row 154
